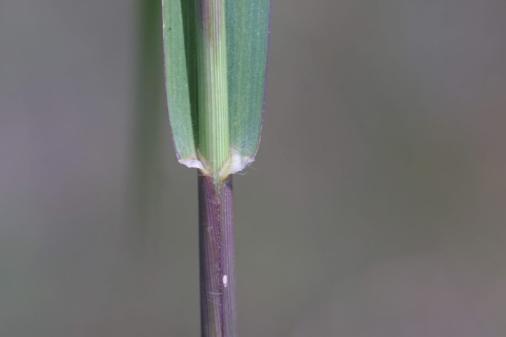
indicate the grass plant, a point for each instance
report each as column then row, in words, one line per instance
column 215, row 56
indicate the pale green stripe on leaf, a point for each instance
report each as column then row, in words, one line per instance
column 214, row 135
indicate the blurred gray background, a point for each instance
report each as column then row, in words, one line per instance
column 376, row 206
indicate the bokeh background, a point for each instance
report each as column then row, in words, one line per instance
column 376, row 206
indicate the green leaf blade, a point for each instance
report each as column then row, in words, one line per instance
column 181, row 77
column 247, row 29
column 215, row 56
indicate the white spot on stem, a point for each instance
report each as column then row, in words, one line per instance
column 225, row 281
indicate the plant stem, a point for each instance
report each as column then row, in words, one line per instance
column 216, row 244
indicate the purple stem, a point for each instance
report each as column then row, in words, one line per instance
column 216, row 243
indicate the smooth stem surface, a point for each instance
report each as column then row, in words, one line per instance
column 216, row 243
column 214, row 135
